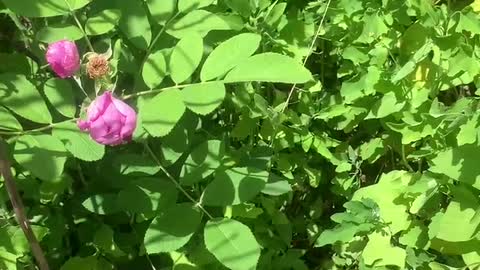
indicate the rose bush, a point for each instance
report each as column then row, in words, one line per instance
column 239, row 134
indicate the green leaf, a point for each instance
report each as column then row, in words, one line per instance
column 242, row 7
column 232, row 243
column 201, row 22
column 104, row 239
column 17, row 63
column 468, row 132
column 86, row 263
column 154, row 69
column 103, row 22
column 8, row 121
column 204, row 98
column 161, row 113
column 374, row 26
column 229, row 54
column 468, row 22
column 101, row 204
column 19, row 243
column 177, row 142
column 43, row 155
column 360, row 87
column 460, row 215
column 134, row 22
column 202, row 162
column 23, row 98
column 276, row 186
column 8, row 261
column 269, row 67
column 380, row 252
column 235, row 186
column 162, row 10
column 275, row 14
column 78, row 143
column 186, row 57
column 52, row 33
column 60, row 94
column 372, row 150
column 147, row 196
column 389, row 186
column 416, row 236
column 387, row 105
column 343, row 233
column 43, row 8
column 459, row 163
column 131, row 163
column 190, row 5
column 50, row 190
column 172, row 229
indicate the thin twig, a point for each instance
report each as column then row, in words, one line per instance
column 19, row 209
column 156, row 91
column 169, row 176
column 13, row 133
column 310, row 50
column 79, row 26
column 154, row 41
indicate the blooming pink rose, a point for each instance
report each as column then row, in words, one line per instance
column 110, row 121
column 63, row 58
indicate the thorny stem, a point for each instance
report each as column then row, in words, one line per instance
column 310, row 50
column 19, row 210
column 79, row 26
column 169, row 176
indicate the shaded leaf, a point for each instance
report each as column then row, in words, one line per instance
column 43, row 155
column 172, row 229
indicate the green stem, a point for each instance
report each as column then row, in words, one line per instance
column 13, row 133
column 175, row 182
column 156, row 91
column 154, row 41
column 310, row 51
column 79, row 26
column 404, row 159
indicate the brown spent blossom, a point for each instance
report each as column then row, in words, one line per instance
column 97, row 66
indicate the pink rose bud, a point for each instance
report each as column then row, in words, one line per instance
column 63, row 58
column 110, row 121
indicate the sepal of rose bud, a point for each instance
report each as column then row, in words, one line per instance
column 62, row 56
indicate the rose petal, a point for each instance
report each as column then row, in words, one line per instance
column 130, row 122
column 98, row 106
column 98, row 129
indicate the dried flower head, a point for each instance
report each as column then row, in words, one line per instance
column 97, row 66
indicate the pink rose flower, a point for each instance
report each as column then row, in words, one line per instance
column 110, row 121
column 63, row 58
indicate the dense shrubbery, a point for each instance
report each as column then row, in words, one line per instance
column 240, row 134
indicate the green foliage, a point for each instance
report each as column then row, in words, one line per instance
column 289, row 134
